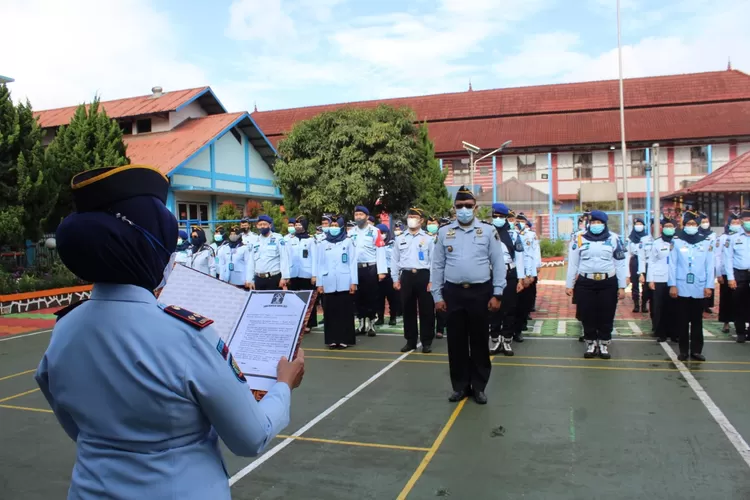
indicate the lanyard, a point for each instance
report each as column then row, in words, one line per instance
column 690, row 256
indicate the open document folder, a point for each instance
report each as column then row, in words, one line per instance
column 259, row 327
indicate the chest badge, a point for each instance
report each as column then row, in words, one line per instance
column 479, row 232
column 451, row 233
column 450, row 249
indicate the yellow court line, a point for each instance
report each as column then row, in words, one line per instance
column 431, row 453
column 532, row 365
column 16, row 375
column 26, row 408
column 354, row 443
column 17, row 395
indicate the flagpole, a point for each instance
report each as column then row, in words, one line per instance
column 622, row 129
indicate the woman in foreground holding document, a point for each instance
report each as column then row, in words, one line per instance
column 145, row 392
column 337, row 283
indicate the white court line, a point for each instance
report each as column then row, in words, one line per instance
column 652, row 340
column 706, row 333
column 286, row 442
column 537, row 326
column 636, row 329
column 562, row 327
column 13, row 337
column 734, row 437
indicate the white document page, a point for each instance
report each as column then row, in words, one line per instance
column 269, row 328
column 197, row 292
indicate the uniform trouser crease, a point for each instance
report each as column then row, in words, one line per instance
column 417, row 300
column 367, row 292
column 597, row 303
column 690, row 324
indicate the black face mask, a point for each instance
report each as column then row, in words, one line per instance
column 265, row 231
column 195, row 241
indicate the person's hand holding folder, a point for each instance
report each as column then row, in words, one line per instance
column 291, row 372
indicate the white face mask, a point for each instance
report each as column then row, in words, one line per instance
column 638, row 228
column 413, row 223
column 705, row 225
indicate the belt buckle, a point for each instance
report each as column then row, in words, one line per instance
column 598, row 276
column 466, row 285
column 414, row 271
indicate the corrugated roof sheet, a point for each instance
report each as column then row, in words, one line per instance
column 167, row 150
column 670, row 90
column 733, row 177
column 120, row 108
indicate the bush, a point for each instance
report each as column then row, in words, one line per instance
column 552, row 248
column 30, row 280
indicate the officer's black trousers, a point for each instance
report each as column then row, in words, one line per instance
column 690, row 324
column 468, row 349
column 386, row 291
column 597, row 303
column 503, row 322
column 441, row 321
column 726, row 302
column 367, row 292
column 640, row 291
column 533, row 293
column 663, row 312
column 298, row 284
column 415, row 298
column 525, row 304
column 741, row 298
column 271, row 283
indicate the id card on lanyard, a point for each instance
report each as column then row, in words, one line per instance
column 231, row 257
column 690, row 278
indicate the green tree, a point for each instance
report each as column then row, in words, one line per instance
column 275, row 212
column 228, row 211
column 90, row 140
column 343, row 158
column 432, row 195
column 26, row 186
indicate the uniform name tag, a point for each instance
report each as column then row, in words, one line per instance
column 304, row 253
column 690, row 278
column 421, row 255
column 344, row 258
column 231, row 266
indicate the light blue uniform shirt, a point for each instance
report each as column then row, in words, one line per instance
column 719, row 249
column 658, row 261
column 370, row 247
column 268, row 255
column 302, row 255
column 532, row 254
column 471, row 254
column 203, row 260
column 412, row 251
column 337, row 267
column 591, row 257
column 643, row 250
column 146, row 396
column 518, row 258
column 737, row 253
column 233, row 263
column 696, row 259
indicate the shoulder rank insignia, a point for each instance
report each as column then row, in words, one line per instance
column 189, row 317
column 223, row 349
column 479, row 232
column 726, row 244
column 236, row 369
column 451, row 233
column 65, row 310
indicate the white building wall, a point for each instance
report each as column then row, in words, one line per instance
column 259, row 169
column 158, row 124
column 192, row 110
column 201, row 162
column 230, row 155
column 719, row 155
column 743, row 148
column 230, row 185
column 189, row 180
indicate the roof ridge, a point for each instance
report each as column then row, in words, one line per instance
column 121, row 99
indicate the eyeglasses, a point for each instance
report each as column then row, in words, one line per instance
column 465, row 205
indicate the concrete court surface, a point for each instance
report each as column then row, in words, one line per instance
column 556, row 427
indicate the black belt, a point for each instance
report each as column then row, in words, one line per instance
column 597, row 276
column 467, row 285
column 413, row 271
column 267, row 275
column 366, row 264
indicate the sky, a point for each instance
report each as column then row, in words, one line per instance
column 277, row 54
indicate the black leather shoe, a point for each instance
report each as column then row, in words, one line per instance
column 408, row 348
column 480, row 397
column 682, row 357
column 457, row 396
column 698, row 357
column 426, row 349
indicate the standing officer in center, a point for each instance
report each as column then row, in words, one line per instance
column 468, row 279
column 268, row 266
column 372, row 268
column 410, row 270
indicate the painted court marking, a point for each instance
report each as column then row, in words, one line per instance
column 537, row 327
column 16, row 375
column 633, row 326
column 731, row 433
column 3, row 400
column 14, row 337
column 706, row 333
column 562, row 327
column 286, row 442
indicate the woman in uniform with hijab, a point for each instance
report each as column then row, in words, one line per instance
column 182, row 252
column 662, row 305
column 202, row 257
column 145, row 390
column 704, row 228
column 640, row 242
column 726, row 306
column 337, row 280
column 302, row 250
column 597, row 266
column 385, row 286
column 233, row 259
column 691, row 281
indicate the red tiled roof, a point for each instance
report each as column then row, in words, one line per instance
column 120, row 108
column 598, row 127
column 167, row 150
column 671, row 90
column 733, row 177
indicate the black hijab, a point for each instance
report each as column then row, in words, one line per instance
column 635, row 236
column 602, row 217
column 342, row 234
column 664, row 237
column 692, row 239
column 305, row 224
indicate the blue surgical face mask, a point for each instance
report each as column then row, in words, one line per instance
column 596, row 228
column 432, row 228
column 735, row 228
column 218, row 237
column 691, row 230
column 668, row 231
column 334, row 231
column 746, row 225
column 465, row 215
column 499, row 221
column 326, row 229
column 179, row 241
column 291, row 230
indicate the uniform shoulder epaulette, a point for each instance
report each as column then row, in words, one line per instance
column 65, row 310
column 188, row 317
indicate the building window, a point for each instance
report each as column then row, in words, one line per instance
column 126, row 127
column 484, row 170
column 526, row 167
column 638, row 163
column 193, row 212
column 143, row 126
column 461, row 175
column 583, row 165
column 699, row 160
